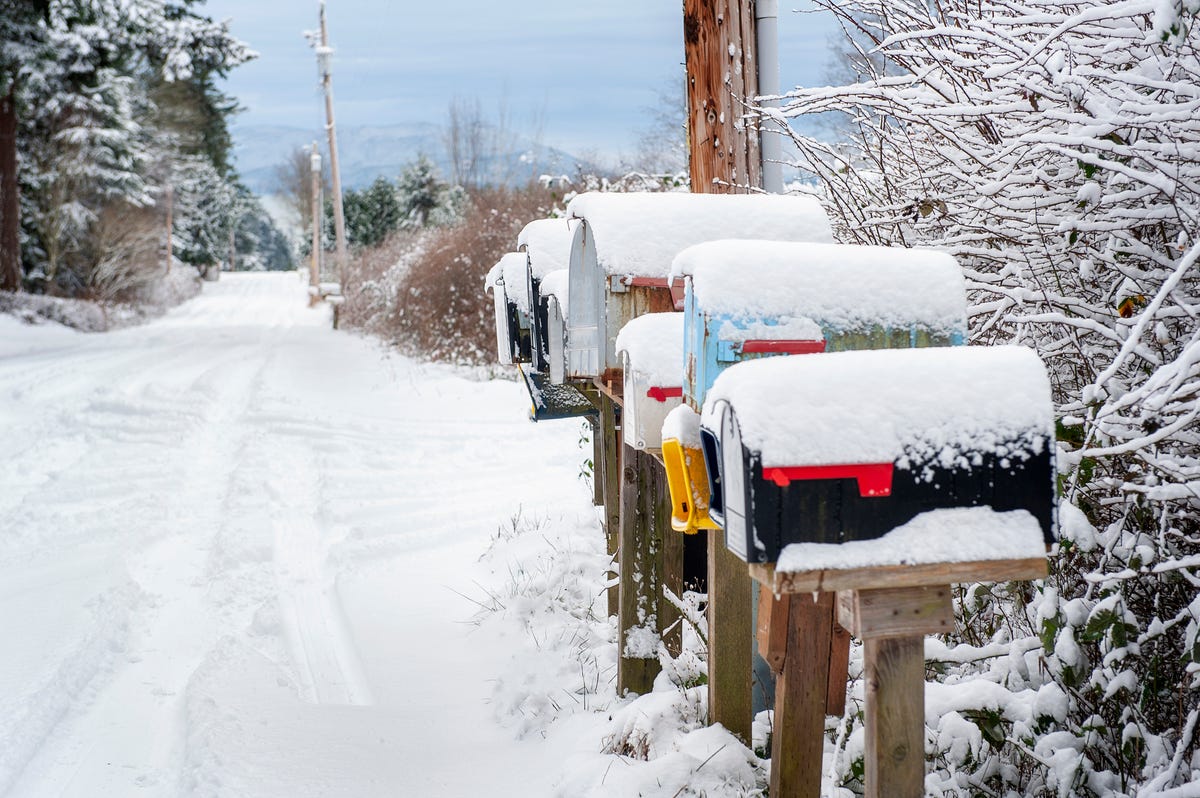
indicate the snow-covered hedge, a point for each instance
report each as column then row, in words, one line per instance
column 1054, row 148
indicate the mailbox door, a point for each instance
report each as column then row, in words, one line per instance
column 734, row 488
column 586, row 300
column 549, row 402
column 518, row 334
column 539, row 336
column 504, row 346
column 710, row 449
column 556, row 333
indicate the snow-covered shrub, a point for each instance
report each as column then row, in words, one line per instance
column 549, row 602
column 1055, row 149
column 441, row 312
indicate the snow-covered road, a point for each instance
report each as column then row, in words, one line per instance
column 232, row 548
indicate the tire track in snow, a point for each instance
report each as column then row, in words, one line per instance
column 312, row 614
column 176, row 424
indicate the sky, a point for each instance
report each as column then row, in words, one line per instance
column 588, row 72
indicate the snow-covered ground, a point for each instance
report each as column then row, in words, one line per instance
column 240, row 554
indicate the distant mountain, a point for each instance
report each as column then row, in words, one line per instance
column 366, row 153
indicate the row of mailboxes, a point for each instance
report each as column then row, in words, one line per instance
column 624, row 245
column 746, row 300
column 521, row 318
column 847, row 446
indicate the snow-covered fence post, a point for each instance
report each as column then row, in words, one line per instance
column 842, row 474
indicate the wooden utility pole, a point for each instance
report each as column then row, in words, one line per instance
column 324, row 56
column 719, row 50
column 314, row 269
column 724, row 158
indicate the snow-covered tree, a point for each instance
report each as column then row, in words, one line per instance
column 425, row 199
column 85, row 76
column 371, row 214
column 1054, row 147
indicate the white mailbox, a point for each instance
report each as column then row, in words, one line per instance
column 651, row 350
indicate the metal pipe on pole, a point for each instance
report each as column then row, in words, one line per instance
column 766, row 14
column 324, row 57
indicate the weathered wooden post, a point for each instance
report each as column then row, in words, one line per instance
column 608, row 472
column 722, row 73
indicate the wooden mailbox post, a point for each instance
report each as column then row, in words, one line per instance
column 844, row 474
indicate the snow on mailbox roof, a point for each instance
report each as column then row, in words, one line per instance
column 842, row 285
column 682, row 424
column 655, row 346
column 493, row 275
column 884, row 406
column 555, row 284
column 639, row 234
column 513, row 268
column 548, row 242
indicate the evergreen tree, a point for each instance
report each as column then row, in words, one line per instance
column 426, row 200
column 84, row 76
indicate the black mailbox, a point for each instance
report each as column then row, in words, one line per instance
column 848, row 446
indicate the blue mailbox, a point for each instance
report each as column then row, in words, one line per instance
column 624, row 244
column 848, row 446
column 746, row 300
